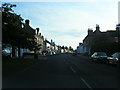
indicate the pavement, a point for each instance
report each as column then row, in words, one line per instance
column 32, row 57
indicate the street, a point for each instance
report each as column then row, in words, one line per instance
column 65, row 71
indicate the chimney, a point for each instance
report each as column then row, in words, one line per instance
column 40, row 34
column 51, row 41
column 42, row 37
column 27, row 22
column 37, row 30
column 118, row 27
column 97, row 27
column 80, row 44
column 90, row 31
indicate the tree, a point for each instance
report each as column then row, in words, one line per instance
column 66, row 47
column 71, row 49
column 12, row 31
column 11, row 25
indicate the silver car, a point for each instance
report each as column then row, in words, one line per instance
column 99, row 56
column 114, row 59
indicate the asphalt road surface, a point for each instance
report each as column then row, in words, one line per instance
column 65, row 71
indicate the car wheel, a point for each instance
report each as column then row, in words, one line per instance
column 107, row 61
column 93, row 60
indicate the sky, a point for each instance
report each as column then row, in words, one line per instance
column 66, row 22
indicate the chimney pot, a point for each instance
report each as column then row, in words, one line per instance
column 37, row 30
column 27, row 21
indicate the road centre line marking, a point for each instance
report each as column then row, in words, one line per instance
column 86, row 83
column 72, row 69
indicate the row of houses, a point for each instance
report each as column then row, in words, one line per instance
column 41, row 43
column 43, row 46
column 108, row 41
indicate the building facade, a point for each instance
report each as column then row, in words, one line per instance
column 101, row 41
column 30, row 33
column 40, row 43
column 80, row 48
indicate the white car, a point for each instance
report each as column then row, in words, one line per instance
column 6, row 52
column 99, row 56
column 114, row 59
column 49, row 53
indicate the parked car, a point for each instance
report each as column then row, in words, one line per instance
column 53, row 53
column 6, row 50
column 74, row 54
column 49, row 54
column 99, row 56
column 114, row 59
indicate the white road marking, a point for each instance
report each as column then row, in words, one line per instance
column 86, row 83
column 72, row 69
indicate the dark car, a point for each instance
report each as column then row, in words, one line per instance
column 114, row 59
column 99, row 56
column 74, row 54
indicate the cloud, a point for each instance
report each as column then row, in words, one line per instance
column 67, row 23
column 70, row 38
column 60, row 0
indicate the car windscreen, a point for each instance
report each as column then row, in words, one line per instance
column 7, row 48
column 119, row 55
column 102, row 54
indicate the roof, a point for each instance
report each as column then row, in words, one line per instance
column 28, row 29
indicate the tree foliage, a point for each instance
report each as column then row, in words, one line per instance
column 11, row 24
column 12, row 31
